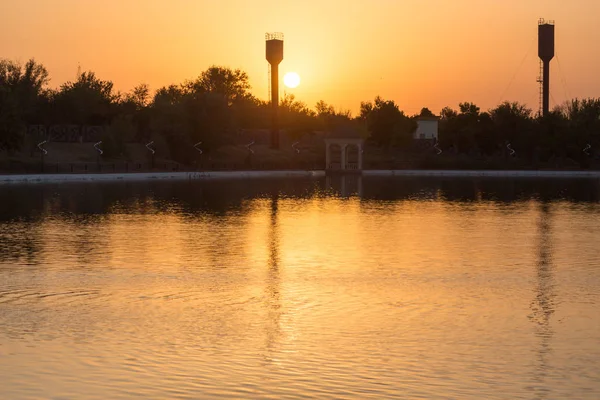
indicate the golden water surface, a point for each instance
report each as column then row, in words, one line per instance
column 361, row 289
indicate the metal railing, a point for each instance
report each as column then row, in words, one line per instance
column 84, row 168
column 338, row 166
column 132, row 167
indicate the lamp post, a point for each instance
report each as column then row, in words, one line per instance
column 152, row 151
column 250, row 153
column 43, row 152
column 196, row 146
column 100, row 152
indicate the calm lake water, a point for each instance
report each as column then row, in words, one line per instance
column 380, row 288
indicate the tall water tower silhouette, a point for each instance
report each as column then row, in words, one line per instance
column 546, row 54
column 274, row 57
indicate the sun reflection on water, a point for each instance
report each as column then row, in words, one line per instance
column 316, row 290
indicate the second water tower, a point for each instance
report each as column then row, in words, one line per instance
column 546, row 54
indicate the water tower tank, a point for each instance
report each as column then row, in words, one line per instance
column 274, row 48
column 546, row 40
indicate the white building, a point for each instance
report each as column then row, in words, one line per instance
column 427, row 128
column 344, row 149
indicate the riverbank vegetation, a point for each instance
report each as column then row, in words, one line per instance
column 218, row 110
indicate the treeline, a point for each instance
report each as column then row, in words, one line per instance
column 215, row 106
column 210, row 109
column 570, row 134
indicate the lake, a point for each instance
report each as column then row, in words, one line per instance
column 325, row 288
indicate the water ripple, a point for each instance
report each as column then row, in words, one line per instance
column 408, row 291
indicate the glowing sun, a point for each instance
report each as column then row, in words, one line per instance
column 291, row 80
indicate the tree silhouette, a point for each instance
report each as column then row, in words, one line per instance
column 513, row 124
column 20, row 91
column 296, row 117
column 232, row 84
column 386, row 124
column 86, row 101
column 426, row 113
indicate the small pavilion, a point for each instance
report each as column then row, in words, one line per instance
column 344, row 149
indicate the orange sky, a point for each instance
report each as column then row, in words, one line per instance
column 419, row 53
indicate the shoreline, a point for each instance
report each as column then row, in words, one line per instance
column 144, row 176
column 485, row 173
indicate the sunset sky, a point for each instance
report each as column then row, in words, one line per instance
column 426, row 53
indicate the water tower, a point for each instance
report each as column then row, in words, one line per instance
column 546, row 54
column 274, row 57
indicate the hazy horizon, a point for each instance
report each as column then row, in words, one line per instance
column 420, row 54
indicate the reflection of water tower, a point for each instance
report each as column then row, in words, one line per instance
column 274, row 57
column 546, row 54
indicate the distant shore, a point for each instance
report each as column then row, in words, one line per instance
column 148, row 176
column 487, row 173
column 145, row 176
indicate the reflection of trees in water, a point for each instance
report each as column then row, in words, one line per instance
column 20, row 224
column 21, row 241
column 543, row 305
column 34, row 202
column 218, row 197
column 498, row 189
